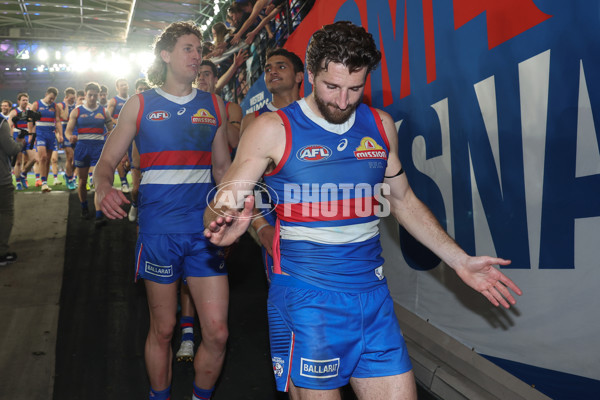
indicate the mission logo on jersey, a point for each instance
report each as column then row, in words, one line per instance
column 158, row 116
column 99, row 116
column 313, row 152
column 202, row 116
column 369, row 149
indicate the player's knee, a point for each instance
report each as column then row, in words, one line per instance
column 163, row 330
column 216, row 334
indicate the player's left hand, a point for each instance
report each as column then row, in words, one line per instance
column 480, row 274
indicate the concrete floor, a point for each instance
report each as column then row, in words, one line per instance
column 29, row 296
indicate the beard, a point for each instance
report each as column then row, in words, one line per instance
column 331, row 112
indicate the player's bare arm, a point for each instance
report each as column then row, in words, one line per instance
column 63, row 111
column 71, row 126
column 246, row 121
column 58, row 131
column 259, row 223
column 260, row 148
column 419, row 221
column 233, row 125
column 31, row 125
column 116, row 145
column 110, row 108
column 11, row 115
column 221, row 160
column 108, row 122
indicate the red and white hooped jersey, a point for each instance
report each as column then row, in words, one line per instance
column 47, row 122
column 174, row 139
column 90, row 124
column 327, row 193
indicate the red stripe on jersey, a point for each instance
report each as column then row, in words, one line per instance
column 47, row 119
column 379, row 124
column 288, row 143
column 177, row 157
column 276, row 250
column 327, row 210
column 90, row 130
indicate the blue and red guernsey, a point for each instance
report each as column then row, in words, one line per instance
column 120, row 102
column 174, row 138
column 90, row 124
column 69, row 108
column 327, row 191
column 47, row 122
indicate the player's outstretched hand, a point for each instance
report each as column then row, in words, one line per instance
column 225, row 229
column 480, row 274
column 110, row 201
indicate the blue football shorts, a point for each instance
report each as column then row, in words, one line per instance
column 87, row 154
column 46, row 139
column 321, row 338
column 169, row 257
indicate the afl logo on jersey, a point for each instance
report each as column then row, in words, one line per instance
column 313, row 152
column 202, row 116
column 369, row 149
column 158, row 116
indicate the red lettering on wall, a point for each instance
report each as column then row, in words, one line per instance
column 405, row 82
column 505, row 19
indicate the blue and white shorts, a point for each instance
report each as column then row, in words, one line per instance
column 165, row 258
column 46, row 139
column 321, row 338
column 87, row 154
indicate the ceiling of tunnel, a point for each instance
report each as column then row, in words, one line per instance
column 95, row 21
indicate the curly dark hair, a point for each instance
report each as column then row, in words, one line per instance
column 343, row 43
column 157, row 73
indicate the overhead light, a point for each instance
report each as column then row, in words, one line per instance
column 57, row 54
column 42, row 55
column 71, row 56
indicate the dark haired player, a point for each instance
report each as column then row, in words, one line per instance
column 331, row 317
